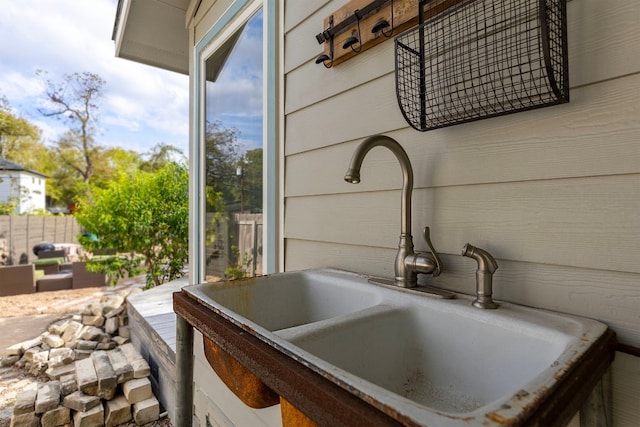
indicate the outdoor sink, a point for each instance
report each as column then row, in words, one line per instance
column 286, row 300
column 421, row 360
column 447, row 357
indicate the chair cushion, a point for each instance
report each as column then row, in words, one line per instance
column 47, row 261
column 55, row 282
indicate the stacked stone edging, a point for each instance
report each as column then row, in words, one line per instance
column 96, row 376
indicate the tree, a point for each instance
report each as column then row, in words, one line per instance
column 160, row 155
column 143, row 213
column 222, row 158
column 19, row 139
column 114, row 162
column 253, row 180
column 75, row 100
column 20, row 143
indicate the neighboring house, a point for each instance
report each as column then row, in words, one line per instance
column 24, row 187
column 553, row 194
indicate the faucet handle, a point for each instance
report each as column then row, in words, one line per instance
column 426, row 233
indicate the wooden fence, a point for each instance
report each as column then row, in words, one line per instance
column 22, row 233
column 237, row 243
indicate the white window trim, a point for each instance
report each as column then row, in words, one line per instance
column 273, row 115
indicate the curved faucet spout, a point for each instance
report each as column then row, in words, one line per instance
column 407, row 264
column 353, row 173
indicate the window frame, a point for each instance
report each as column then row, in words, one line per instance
column 238, row 13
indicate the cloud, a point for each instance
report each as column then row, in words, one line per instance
column 16, row 85
column 141, row 106
column 236, row 98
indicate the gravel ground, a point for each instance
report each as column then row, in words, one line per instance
column 16, row 310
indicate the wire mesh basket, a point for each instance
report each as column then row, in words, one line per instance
column 480, row 59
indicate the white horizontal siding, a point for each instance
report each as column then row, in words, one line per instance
column 297, row 11
column 214, row 400
column 209, row 12
column 553, row 193
column 305, row 19
column 602, row 38
column 548, row 221
column 626, row 389
column 611, row 297
column 596, row 113
column 596, row 134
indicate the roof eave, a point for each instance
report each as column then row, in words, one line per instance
column 153, row 32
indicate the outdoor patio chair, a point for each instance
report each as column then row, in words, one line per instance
column 49, row 261
column 55, row 282
column 86, row 279
column 52, row 254
column 17, row 280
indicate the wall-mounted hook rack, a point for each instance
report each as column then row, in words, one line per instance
column 369, row 14
column 350, row 20
column 323, row 58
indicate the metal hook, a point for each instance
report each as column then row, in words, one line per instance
column 383, row 23
column 323, row 58
column 380, row 26
column 355, row 35
column 349, row 42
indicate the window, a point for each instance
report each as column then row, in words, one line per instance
column 233, row 160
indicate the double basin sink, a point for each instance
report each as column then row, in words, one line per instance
column 428, row 361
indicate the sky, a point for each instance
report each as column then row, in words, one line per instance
column 141, row 105
column 235, row 98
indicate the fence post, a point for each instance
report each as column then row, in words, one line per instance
column 254, row 245
column 26, row 239
column 10, row 242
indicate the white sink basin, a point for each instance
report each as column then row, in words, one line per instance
column 432, row 361
column 288, row 299
column 451, row 360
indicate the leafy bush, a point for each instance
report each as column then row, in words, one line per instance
column 117, row 267
column 145, row 214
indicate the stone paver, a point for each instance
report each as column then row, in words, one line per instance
column 117, row 411
column 137, row 390
column 88, row 367
column 48, row 397
column 121, row 365
column 78, row 401
column 94, row 417
column 107, row 379
column 146, row 411
column 25, row 402
column 30, row 419
column 59, row 416
column 86, row 376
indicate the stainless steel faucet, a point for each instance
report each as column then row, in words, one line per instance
column 487, row 265
column 408, row 263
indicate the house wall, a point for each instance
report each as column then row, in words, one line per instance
column 32, row 196
column 553, row 194
column 208, row 13
column 213, row 402
column 6, row 186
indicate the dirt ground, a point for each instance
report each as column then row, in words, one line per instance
column 26, row 316
column 58, row 302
